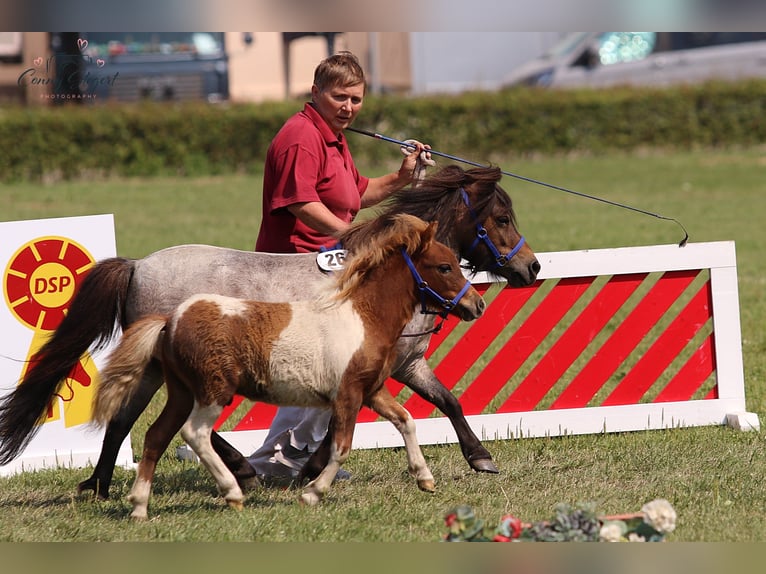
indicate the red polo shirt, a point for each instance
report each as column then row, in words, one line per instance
column 306, row 162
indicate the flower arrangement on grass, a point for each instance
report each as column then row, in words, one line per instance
column 578, row 523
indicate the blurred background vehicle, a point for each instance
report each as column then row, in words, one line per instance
column 600, row 59
column 156, row 65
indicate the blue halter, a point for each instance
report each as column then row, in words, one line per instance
column 481, row 236
column 425, row 289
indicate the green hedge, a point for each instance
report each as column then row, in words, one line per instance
column 199, row 139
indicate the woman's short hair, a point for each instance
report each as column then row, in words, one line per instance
column 342, row 69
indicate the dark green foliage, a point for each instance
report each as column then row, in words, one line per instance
column 187, row 140
column 199, row 139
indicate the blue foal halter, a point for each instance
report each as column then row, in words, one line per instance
column 481, row 236
column 425, row 290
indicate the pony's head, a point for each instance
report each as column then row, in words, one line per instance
column 406, row 237
column 477, row 220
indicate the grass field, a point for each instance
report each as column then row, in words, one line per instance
column 713, row 476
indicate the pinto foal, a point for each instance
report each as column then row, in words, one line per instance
column 335, row 351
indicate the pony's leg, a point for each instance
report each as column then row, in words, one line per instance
column 418, row 376
column 338, row 453
column 117, row 430
column 318, row 459
column 196, row 431
column 340, row 433
column 235, row 462
column 158, row 437
column 119, row 427
column 386, row 406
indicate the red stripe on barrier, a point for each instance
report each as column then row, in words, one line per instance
column 571, row 343
column 625, row 338
column 227, row 411
column 449, row 325
column 666, row 348
column 691, row 376
column 473, row 343
column 511, row 356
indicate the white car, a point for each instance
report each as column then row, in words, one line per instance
column 600, row 59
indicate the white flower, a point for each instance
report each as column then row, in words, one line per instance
column 612, row 532
column 660, row 515
column 633, row 537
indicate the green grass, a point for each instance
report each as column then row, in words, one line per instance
column 713, row 475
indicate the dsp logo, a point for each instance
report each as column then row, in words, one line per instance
column 39, row 283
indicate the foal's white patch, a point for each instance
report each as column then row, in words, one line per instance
column 313, row 351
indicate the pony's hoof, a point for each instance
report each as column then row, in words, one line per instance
column 90, row 485
column 138, row 516
column 427, row 485
column 249, row 484
column 235, row 504
column 85, row 485
column 484, row 465
column 310, row 498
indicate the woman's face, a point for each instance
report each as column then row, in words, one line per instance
column 338, row 106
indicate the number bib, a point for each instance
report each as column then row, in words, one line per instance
column 331, row 260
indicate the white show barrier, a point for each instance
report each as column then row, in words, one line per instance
column 715, row 396
column 43, row 262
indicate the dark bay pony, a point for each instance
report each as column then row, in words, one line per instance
column 334, row 351
column 476, row 220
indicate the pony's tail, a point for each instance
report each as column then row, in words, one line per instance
column 125, row 367
column 91, row 322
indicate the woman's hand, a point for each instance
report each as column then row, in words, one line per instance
column 414, row 164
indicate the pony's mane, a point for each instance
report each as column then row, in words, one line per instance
column 438, row 194
column 376, row 240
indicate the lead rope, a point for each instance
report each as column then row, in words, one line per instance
column 418, row 174
column 530, row 180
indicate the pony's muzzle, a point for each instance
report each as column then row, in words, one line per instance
column 522, row 273
column 471, row 306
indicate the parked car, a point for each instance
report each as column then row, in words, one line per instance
column 600, row 59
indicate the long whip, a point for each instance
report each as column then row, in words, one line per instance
column 528, row 179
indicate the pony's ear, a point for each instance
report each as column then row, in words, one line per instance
column 429, row 234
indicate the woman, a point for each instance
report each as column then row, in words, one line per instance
column 311, row 192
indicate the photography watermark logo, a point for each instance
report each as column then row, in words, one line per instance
column 68, row 76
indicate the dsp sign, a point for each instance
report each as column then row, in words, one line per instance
column 44, row 262
column 38, row 284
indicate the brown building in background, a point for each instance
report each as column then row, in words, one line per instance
column 18, row 52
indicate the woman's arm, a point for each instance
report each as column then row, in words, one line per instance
column 317, row 216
